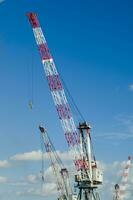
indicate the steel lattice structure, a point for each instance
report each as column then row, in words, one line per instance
column 60, row 172
column 57, row 91
column 120, row 190
column 89, row 176
column 125, row 177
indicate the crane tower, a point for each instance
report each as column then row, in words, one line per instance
column 60, row 172
column 120, row 189
column 88, row 176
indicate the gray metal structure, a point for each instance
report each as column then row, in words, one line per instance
column 90, row 177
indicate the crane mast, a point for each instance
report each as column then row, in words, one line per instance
column 88, row 176
column 120, row 189
column 60, row 172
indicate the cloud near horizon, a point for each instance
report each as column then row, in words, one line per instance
column 112, row 175
column 37, row 156
column 4, row 164
column 30, row 184
column 3, row 179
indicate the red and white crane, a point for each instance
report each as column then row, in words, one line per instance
column 79, row 142
column 60, row 172
column 120, row 189
column 57, row 91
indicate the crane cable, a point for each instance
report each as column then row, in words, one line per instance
column 77, row 110
column 31, row 82
column 42, row 159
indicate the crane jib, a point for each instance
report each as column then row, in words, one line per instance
column 60, row 172
column 58, row 94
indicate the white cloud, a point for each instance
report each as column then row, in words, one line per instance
column 49, row 187
column 66, row 155
column 4, row 164
column 30, row 185
column 37, row 155
column 48, row 175
column 131, row 87
column 3, row 180
column 32, row 178
column 19, row 184
column 47, row 190
column 116, row 135
column 123, row 129
column 113, row 174
column 28, row 156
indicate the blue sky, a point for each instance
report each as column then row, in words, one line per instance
column 92, row 45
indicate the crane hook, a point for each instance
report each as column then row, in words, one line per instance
column 31, row 104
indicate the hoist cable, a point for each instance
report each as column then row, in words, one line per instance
column 42, row 163
column 71, row 97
